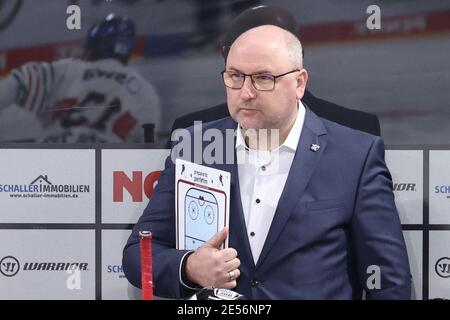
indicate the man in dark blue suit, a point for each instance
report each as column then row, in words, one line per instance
column 312, row 214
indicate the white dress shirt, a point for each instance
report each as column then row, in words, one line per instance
column 262, row 176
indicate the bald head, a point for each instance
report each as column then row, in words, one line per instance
column 264, row 44
column 256, row 17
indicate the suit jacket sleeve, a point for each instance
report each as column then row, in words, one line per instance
column 159, row 218
column 377, row 233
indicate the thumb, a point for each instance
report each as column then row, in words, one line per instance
column 217, row 240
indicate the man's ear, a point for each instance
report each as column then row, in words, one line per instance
column 302, row 79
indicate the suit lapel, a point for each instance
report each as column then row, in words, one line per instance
column 303, row 166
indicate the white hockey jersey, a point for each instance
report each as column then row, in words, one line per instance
column 80, row 101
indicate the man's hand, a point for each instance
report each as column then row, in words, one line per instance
column 210, row 266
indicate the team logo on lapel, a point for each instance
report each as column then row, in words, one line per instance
column 314, row 147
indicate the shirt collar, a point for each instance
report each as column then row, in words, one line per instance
column 240, row 143
column 293, row 137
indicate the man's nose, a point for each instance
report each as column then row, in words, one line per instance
column 248, row 91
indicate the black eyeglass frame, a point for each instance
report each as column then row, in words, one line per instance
column 253, row 80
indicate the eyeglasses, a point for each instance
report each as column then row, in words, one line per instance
column 260, row 81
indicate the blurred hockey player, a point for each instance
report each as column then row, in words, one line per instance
column 96, row 99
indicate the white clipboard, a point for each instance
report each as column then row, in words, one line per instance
column 202, row 202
